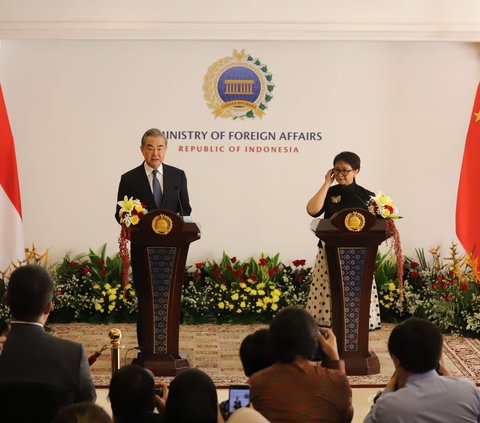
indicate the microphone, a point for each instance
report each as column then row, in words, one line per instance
column 179, row 201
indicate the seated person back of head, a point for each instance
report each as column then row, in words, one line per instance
column 417, row 392
column 192, row 398
column 293, row 389
column 132, row 395
column 255, row 352
column 32, row 355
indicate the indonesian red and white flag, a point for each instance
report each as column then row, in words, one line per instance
column 468, row 198
column 11, row 225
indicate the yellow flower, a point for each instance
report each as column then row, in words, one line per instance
column 275, row 298
column 111, row 306
column 267, row 300
column 108, row 286
column 261, row 285
column 96, row 286
column 242, row 285
column 276, row 292
column 221, row 305
column 139, row 208
column 253, row 292
column 259, row 303
column 112, row 297
column 248, row 289
column 239, row 310
column 101, row 300
column 135, row 219
column 261, row 292
column 98, row 307
column 128, row 286
column 126, row 205
column 242, row 304
column 274, row 307
column 235, row 296
column 223, row 288
column 391, row 286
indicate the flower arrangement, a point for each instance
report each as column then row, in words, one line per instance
column 382, row 206
column 445, row 291
column 89, row 288
column 130, row 213
column 252, row 290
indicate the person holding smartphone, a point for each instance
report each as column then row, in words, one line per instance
column 328, row 200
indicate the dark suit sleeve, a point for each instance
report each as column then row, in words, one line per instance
column 85, row 389
column 183, row 194
column 122, row 191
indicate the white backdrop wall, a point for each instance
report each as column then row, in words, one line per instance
column 78, row 108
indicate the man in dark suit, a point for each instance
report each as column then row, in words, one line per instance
column 32, row 355
column 155, row 184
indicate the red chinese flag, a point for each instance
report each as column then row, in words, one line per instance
column 11, row 226
column 468, row 199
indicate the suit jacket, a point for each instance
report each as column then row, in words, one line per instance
column 135, row 184
column 32, row 355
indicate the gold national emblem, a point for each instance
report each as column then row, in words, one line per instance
column 162, row 224
column 354, row 221
column 238, row 87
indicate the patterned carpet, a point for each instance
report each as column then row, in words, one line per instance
column 214, row 349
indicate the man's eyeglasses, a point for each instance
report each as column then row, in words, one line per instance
column 344, row 172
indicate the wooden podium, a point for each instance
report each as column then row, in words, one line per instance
column 351, row 238
column 159, row 247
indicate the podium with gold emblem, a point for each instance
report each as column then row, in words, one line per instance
column 351, row 238
column 159, row 248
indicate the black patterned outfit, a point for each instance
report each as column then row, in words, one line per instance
column 319, row 302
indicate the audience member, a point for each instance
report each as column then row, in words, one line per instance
column 247, row 415
column 293, row 389
column 192, row 398
column 29, row 353
column 255, row 352
column 132, row 396
column 83, row 412
column 421, row 389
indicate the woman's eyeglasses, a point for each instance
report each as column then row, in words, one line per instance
column 344, row 172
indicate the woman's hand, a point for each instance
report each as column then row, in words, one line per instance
column 329, row 177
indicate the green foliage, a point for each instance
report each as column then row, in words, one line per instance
column 243, row 292
column 445, row 291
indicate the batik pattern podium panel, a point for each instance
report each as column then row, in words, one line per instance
column 352, row 262
column 161, row 264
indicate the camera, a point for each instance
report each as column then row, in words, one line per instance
column 319, row 354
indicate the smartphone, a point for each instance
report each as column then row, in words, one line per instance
column 238, row 397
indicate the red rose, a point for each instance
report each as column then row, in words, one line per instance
column 414, row 264
column 230, row 268
column 197, row 275
column 454, row 281
column 101, row 262
column 414, row 274
column 233, row 259
column 263, row 262
column 434, row 286
column 447, row 298
column 463, row 286
column 85, row 269
column 104, row 272
column 216, row 271
column 72, row 265
column 253, row 277
column 443, row 284
column 59, row 292
column 297, row 263
column 241, row 279
column 224, row 281
column 199, row 265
